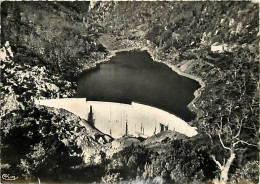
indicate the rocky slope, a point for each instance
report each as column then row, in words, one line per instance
column 51, row 44
column 32, row 136
column 53, row 34
column 217, row 42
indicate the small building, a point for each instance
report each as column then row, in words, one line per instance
column 220, row 48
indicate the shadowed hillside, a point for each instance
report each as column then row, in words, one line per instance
column 51, row 34
column 217, row 42
column 46, row 45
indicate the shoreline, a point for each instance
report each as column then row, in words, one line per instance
column 197, row 93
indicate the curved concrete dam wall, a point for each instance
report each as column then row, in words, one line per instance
column 118, row 119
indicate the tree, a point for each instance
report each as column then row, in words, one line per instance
column 232, row 133
column 231, row 115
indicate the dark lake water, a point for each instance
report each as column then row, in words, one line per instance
column 134, row 76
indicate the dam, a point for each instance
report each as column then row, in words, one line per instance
column 118, row 119
column 133, row 76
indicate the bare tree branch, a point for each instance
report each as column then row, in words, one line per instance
column 220, row 126
column 211, row 140
column 217, row 162
column 251, row 128
column 230, row 107
column 239, row 130
column 244, row 142
column 240, row 149
column 220, row 139
column 234, row 144
column 231, row 132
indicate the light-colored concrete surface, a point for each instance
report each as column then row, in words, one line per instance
column 112, row 118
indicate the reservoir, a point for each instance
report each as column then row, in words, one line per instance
column 132, row 76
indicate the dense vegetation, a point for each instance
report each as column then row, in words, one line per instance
column 54, row 41
column 51, row 34
column 184, row 33
column 176, row 161
column 47, row 43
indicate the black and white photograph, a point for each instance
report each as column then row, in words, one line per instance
column 130, row 92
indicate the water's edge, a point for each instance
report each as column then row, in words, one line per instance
column 191, row 106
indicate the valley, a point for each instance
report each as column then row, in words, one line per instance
column 45, row 52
